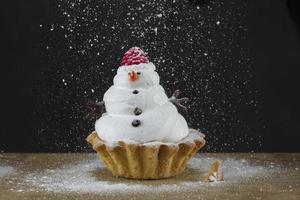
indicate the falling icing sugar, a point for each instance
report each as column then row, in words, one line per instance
column 90, row 176
column 197, row 46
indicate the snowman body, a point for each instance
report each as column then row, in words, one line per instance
column 139, row 110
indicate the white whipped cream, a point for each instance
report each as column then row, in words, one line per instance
column 159, row 120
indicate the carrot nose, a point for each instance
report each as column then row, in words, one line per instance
column 133, row 76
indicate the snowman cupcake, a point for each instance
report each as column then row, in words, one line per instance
column 141, row 135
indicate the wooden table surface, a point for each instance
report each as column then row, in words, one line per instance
column 282, row 183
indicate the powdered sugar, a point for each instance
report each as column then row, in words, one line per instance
column 90, row 176
column 6, row 171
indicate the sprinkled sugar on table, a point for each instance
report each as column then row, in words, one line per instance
column 83, row 176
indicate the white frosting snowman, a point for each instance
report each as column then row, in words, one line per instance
column 138, row 109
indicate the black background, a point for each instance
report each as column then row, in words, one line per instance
column 38, row 114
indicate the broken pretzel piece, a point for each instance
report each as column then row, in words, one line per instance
column 215, row 172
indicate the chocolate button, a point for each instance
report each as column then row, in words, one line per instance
column 135, row 91
column 136, row 123
column 137, row 111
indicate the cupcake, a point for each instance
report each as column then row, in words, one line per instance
column 142, row 135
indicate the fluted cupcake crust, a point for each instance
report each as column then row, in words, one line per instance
column 148, row 160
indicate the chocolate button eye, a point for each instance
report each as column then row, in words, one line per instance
column 136, row 123
column 138, row 73
column 137, row 111
column 135, row 91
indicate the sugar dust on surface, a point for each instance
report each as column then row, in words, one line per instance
column 90, row 176
column 6, row 171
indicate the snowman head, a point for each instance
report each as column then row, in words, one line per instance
column 134, row 56
column 136, row 70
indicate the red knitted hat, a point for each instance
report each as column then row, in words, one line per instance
column 134, row 56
